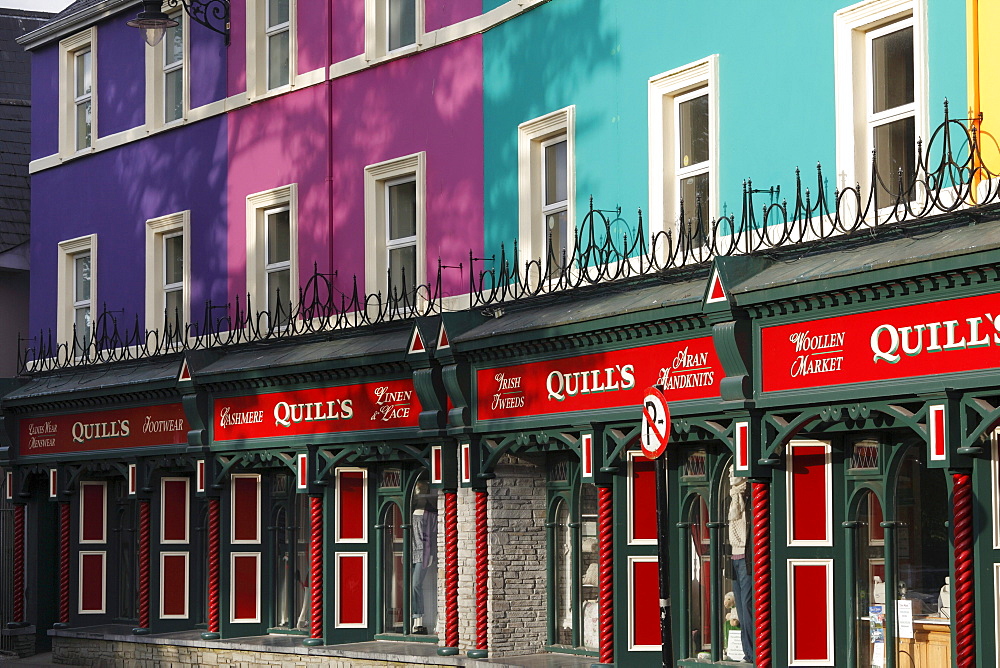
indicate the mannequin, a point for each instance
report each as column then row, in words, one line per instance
column 423, row 551
column 742, row 583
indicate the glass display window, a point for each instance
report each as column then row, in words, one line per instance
column 408, row 561
column 573, row 558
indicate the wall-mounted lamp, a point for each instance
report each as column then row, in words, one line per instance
column 213, row 14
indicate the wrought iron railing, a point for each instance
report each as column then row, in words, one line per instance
column 949, row 175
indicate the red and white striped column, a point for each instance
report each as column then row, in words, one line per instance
column 761, row 503
column 606, row 611
column 965, row 582
column 316, row 568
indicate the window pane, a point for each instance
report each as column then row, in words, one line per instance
column 699, row 589
column 402, row 210
column 869, row 572
column 692, row 189
column 892, row 70
column 173, row 103
column 895, row 150
column 555, row 173
column 81, row 318
column 589, row 565
column 278, row 292
column 173, row 259
column 278, row 240
column 403, row 265
column 173, row 44
column 83, row 79
column 392, row 570
column 693, row 131
column 277, row 12
column 277, row 60
column 81, row 291
column 562, row 566
column 83, row 125
column 555, row 228
column 922, row 551
column 402, row 23
column 175, row 307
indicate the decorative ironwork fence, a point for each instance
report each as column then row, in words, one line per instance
column 949, row 176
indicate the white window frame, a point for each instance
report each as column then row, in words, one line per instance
column 69, row 48
column 377, row 30
column 378, row 178
column 156, row 75
column 258, row 206
column 532, row 136
column 157, row 231
column 665, row 92
column 69, row 250
column 852, row 81
column 257, row 48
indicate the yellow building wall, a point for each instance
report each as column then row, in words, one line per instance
column 984, row 76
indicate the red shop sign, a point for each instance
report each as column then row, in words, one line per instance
column 687, row 370
column 104, row 430
column 921, row 340
column 385, row 405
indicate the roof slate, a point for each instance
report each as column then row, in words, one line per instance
column 15, row 125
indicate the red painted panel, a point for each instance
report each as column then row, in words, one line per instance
column 174, row 584
column 910, row 341
column 809, row 506
column 875, row 529
column 351, row 505
column 351, row 588
column 646, row 603
column 175, row 510
column 643, row 499
column 93, row 519
column 245, row 587
column 303, row 466
column 706, row 600
column 246, row 509
column 92, row 582
column 120, row 428
column 810, row 626
column 436, row 465
column 384, row 405
column 687, row 369
column 938, row 439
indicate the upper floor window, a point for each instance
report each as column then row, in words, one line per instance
column 891, row 109
column 77, row 291
column 271, row 46
column 402, row 23
column 278, row 260
column 683, row 154
column 546, row 190
column 555, row 198
column 277, row 30
column 272, row 252
column 392, row 25
column 401, row 231
column 168, row 274
column 77, row 85
column 168, row 74
column 83, row 97
column 880, row 55
column 394, row 225
column 173, row 72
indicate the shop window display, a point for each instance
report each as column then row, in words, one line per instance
column 290, row 545
column 409, row 559
column 573, row 559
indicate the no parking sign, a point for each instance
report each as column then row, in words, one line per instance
column 655, row 423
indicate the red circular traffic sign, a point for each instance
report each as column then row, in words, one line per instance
column 655, row 431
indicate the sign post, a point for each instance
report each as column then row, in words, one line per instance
column 655, row 433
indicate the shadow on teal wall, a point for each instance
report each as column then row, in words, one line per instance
column 776, row 90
